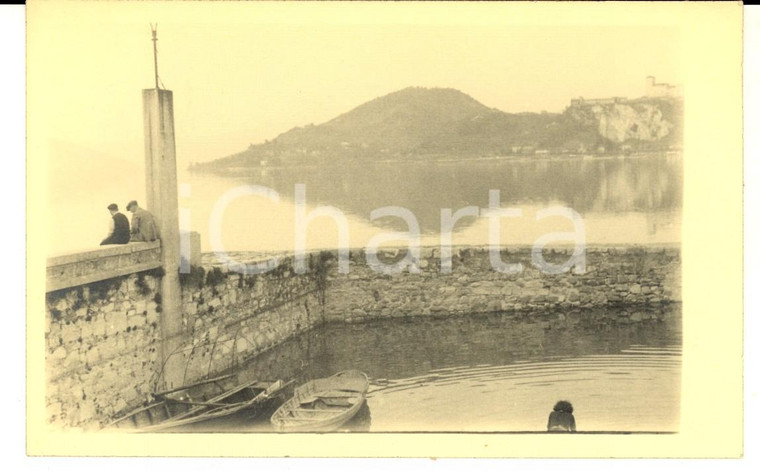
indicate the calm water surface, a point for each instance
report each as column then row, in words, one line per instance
column 621, row 200
column 620, row 369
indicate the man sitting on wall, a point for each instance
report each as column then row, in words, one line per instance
column 144, row 227
column 118, row 232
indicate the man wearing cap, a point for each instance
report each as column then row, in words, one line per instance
column 119, row 228
column 144, row 227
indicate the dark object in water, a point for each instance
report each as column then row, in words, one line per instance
column 323, row 404
column 561, row 418
column 209, row 399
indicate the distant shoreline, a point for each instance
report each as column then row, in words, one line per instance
column 210, row 259
column 202, row 168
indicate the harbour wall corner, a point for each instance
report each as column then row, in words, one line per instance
column 103, row 336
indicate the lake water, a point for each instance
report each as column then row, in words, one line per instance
column 634, row 199
column 620, row 368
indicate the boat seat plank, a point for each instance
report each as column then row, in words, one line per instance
column 322, row 411
column 304, row 419
column 336, row 394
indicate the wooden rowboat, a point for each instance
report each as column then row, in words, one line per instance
column 206, row 400
column 323, row 404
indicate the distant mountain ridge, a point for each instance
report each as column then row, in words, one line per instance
column 427, row 124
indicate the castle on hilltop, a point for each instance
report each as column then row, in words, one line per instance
column 659, row 90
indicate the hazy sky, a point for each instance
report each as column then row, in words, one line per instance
column 245, row 73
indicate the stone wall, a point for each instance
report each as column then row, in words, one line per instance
column 103, row 263
column 102, row 347
column 614, row 276
column 103, row 339
column 230, row 317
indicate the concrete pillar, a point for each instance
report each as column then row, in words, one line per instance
column 161, row 191
column 190, row 251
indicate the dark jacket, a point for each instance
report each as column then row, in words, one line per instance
column 120, row 234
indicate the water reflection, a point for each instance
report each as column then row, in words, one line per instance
column 641, row 184
column 361, row 422
column 634, row 199
column 620, row 368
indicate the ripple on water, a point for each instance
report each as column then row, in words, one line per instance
column 495, row 373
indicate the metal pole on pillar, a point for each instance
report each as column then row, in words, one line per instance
column 154, row 31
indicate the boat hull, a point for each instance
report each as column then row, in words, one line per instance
column 198, row 403
column 323, row 404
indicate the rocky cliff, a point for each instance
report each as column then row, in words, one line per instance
column 636, row 120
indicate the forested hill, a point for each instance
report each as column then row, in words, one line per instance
column 428, row 124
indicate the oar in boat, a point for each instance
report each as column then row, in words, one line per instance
column 199, row 407
column 199, row 403
column 205, row 381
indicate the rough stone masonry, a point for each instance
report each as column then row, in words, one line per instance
column 102, row 338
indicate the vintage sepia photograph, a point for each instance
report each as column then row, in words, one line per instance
column 274, row 219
